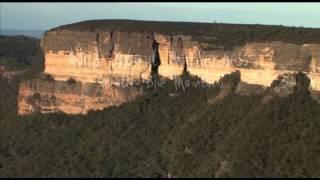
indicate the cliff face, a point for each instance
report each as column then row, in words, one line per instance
column 88, row 56
column 93, row 56
column 45, row 96
column 259, row 63
column 96, row 55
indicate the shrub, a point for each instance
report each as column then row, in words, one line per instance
column 71, row 81
column 47, row 77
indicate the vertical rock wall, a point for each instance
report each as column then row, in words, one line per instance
column 93, row 58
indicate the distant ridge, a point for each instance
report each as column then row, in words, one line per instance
column 14, row 32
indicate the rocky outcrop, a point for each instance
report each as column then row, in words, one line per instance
column 228, row 84
column 92, row 56
column 285, row 85
column 288, row 84
column 71, row 97
column 260, row 63
column 245, row 89
column 96, row 55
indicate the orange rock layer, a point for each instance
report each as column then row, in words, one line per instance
column 96, row 57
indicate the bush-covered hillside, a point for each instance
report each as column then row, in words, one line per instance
column 20, row 53
column 215, row 34
column 169, row 133
column 22, row 58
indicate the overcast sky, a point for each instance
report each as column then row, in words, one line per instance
column 44, row 16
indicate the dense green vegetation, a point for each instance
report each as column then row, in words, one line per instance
column 215, row 34
column 23, row 57
column 159, row 134
column 8, row 97
column 20, row 53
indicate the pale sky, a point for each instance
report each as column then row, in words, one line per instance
column 43, row 16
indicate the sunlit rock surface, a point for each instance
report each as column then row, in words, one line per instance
column 72, row 98
column 96, row 56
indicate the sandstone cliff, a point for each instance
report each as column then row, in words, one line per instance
column 95, row 52
column 47, row 96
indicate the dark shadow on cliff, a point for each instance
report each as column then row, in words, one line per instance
column 156, row 62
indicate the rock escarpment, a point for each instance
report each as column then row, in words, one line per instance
column 47, row 96
column 90, row 56
column 98, row 52
column 94, row 56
